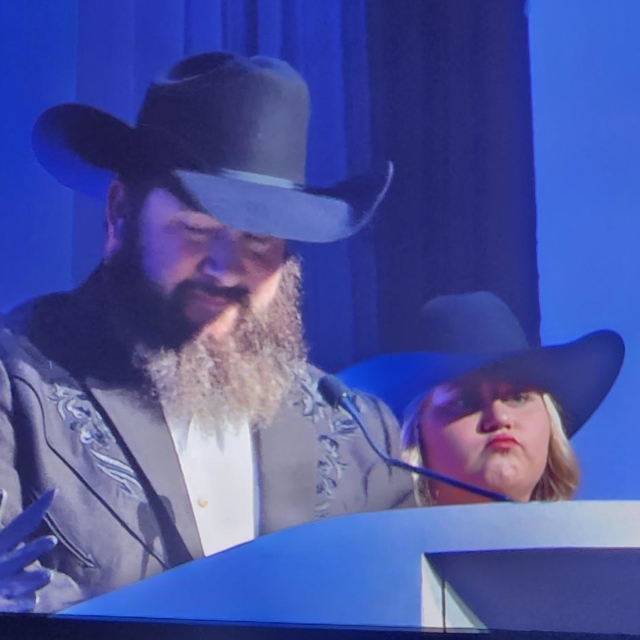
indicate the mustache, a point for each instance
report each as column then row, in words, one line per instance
column 233, row 294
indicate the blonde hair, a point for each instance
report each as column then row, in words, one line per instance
column 559, row 480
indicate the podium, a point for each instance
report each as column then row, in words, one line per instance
column 565, row 566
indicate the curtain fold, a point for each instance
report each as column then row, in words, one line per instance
column 452, row 107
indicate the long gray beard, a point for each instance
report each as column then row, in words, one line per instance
column 243, row 379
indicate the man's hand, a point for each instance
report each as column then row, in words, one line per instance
column 18, row 586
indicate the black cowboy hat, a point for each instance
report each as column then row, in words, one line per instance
column 233, row 131
column 478, row 332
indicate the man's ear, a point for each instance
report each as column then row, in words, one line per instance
column 115, row 211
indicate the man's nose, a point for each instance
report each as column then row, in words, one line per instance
column 224, row 258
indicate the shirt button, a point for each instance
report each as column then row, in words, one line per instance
column 202, row 502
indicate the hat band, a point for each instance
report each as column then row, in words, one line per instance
column 257, row 178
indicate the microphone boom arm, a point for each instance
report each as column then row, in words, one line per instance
column 338, row 395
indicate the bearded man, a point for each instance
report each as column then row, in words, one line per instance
column 168, row 400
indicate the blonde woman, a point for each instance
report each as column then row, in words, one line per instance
column 485, row 407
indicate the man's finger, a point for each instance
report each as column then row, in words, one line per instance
column 25, row 604
column 21, row 527
column 15, row 561
column 24, row 584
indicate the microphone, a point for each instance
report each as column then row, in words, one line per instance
column 337, row 394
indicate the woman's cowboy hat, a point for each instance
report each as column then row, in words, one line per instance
column 478, row 332
column 233, row 131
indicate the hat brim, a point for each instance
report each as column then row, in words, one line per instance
column 293, row 212
column 84, row 148
column 577, row 374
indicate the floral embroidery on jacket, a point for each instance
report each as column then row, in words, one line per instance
column 341, row 427
column 311, row 402
column 79, row 415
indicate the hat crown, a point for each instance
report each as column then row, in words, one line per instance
column 232, row 134
column 477, row 323
column 227, row 112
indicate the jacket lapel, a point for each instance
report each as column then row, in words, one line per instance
column 142, row 428
column 103, row 363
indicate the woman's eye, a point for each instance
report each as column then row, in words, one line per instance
column 464, row 402
column 519, row 397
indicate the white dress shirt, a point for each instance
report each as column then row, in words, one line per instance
column 219, row 472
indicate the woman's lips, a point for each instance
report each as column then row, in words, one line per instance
column 502, row 442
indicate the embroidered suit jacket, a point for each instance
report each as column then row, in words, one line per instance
column 73, row 418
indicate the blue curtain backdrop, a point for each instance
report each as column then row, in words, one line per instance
column 451, row 105
column 439, row 86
